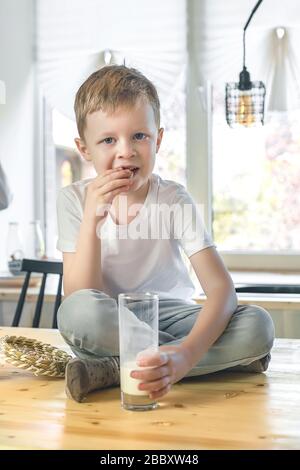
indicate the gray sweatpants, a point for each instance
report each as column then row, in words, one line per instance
column 88, row 322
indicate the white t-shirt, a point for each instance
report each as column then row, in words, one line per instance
column 144, row 255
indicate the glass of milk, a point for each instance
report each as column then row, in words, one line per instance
column 138, row 337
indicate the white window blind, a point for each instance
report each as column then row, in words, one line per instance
column 72, row 36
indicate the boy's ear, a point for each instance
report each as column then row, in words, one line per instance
column 82, row 148
column 159, row 138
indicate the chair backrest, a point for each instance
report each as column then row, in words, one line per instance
column 44, row 267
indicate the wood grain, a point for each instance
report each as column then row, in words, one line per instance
column 217, row 411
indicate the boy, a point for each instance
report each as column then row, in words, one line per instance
column 118, row 118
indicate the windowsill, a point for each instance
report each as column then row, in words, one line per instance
column 279, row 302
column 260, row 277
column 266, row 300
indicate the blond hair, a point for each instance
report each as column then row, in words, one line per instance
column 110, row 87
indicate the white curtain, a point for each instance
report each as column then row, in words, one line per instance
column 217, row 42
column 73, row 35
column 284, row 76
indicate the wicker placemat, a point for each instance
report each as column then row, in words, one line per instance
column 35, row 356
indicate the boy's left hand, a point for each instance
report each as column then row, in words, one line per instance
column 170, row 364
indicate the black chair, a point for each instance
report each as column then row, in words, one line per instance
column 44, row 267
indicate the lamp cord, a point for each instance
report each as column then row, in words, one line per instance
column 245, row 27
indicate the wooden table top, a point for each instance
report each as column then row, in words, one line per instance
column 217, row 411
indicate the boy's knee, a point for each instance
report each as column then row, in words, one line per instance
column 88, row 320
column 85, row 306
column 260, row 329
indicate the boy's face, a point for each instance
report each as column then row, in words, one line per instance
column 127, row 138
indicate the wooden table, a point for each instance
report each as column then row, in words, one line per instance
column 218, row 411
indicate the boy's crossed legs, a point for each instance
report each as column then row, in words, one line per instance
column 88, row 321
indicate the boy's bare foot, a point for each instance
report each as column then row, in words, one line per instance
column 85, row 375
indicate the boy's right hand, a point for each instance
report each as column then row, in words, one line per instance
column 101, row 192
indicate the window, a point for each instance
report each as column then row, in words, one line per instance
column 171, row 159
column 256, row 182
column 70, row 166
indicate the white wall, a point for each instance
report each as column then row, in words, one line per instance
column 17, row 115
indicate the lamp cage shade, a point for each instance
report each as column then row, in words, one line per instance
column 245, row 107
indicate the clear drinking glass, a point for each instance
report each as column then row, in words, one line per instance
column 138, row 336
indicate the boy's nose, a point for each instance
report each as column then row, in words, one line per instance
column 126, row 150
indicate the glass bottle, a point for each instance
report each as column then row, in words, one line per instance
column 14, row 247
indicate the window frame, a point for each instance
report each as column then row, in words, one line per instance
column 39, row 160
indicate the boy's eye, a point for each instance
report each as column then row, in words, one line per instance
column 107, row 139
column 140, row 135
